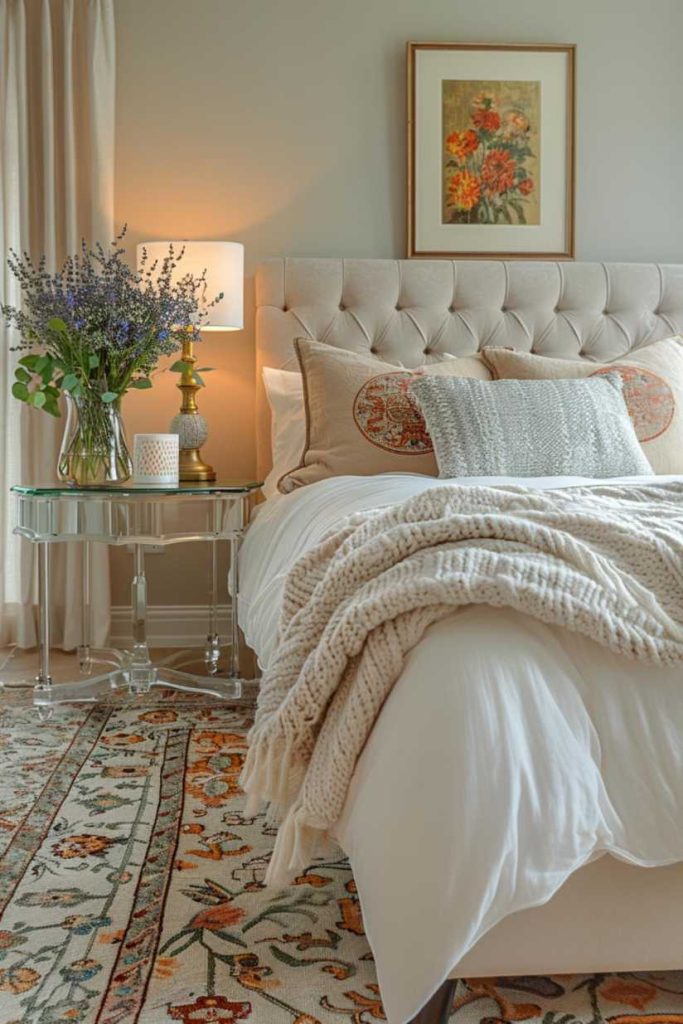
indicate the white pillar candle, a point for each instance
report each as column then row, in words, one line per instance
column 155, row 459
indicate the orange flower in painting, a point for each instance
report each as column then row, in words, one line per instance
column 462, row 144
column 498, row 171
column 515, row 124
column 218, row 917
column 486, row 120
column 629, row 991
column 463, row 190
column 526, row 186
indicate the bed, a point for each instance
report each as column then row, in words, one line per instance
column 605, row 810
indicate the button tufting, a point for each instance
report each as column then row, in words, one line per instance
column 373, row 350
column 398, row 307
column 451, row 309
column 342, row 306
column 285, row 309
column 427, row 351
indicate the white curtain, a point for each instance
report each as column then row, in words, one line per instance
column 57, row 79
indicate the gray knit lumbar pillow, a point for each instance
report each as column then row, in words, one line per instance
column 530, row 427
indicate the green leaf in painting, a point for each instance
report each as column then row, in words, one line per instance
column 93, row 360
column 198, row 379
column 21, row 374
column 180, row 367
column 141, row 383
column 38, row 399
column 20, row 391
column 69, row 381
column 519, row 210
column 108, row 397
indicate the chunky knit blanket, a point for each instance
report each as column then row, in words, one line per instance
column 604, row 561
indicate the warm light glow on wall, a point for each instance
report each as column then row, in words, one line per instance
column 224, row 266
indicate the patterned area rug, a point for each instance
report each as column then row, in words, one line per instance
column 131, row 891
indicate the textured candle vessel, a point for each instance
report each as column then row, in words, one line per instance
column 155, row 459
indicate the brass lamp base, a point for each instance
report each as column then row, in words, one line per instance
column 189, row 425
column 192, row 468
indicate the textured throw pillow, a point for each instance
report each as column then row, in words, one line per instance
column 653, row 391
column 530, row 428
column 360, row 417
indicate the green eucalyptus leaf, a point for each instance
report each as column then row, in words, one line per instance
column 52, row 406
column 197, row 379
column 142, row 383
column 57, row 325
column 93, row 360
column 30, row 361
column 20, row 391
column 204, row 369
column 180, row 367
column 21, row 374
column 69, row 381
column 42, row 364
column 108, row 397
column 38, row 399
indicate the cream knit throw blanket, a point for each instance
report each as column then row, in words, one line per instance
column 606, row 562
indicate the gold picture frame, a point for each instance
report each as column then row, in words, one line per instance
column 491, row 150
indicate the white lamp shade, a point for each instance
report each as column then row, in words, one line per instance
column 224, row 266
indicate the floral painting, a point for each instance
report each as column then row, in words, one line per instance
column 491, row 152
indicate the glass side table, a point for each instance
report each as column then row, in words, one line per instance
column 136, row 515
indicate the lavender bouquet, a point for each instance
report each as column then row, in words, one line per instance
column 91, row 332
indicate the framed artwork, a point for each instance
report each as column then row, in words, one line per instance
column 490, row 150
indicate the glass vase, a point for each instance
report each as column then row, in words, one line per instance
column 94, row 449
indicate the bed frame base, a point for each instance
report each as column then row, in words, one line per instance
column 436, row 1011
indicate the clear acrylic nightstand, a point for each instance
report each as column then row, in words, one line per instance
column 136, row 515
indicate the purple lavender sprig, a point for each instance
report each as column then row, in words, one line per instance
column 97, row 328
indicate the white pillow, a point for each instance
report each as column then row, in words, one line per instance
column 285, row 392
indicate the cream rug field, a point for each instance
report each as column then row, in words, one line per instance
column 131, row 891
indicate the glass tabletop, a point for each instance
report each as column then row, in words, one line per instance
column 55, row 490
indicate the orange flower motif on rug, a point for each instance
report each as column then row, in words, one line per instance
column 85, row 845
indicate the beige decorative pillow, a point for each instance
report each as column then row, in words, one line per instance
column 653, row 391
column 360, row 417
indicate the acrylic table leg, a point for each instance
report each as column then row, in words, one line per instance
column 44, row 680
column 234, row 670
column 84, row 652
column 141, row 673
column 212, row 649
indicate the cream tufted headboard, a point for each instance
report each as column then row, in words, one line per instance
column 413, row 311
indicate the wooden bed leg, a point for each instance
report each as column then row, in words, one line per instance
column 437, row 1009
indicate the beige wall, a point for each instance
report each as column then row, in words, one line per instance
column 282, row 125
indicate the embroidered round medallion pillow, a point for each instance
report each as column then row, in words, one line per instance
column 387, row 415
column 360, row 418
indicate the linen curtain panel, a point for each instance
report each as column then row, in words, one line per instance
column 57, row 78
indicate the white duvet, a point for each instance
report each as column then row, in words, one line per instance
column 508, row 755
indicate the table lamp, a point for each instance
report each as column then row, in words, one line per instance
column 224, row 266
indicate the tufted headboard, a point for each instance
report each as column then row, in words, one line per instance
column 410, row 312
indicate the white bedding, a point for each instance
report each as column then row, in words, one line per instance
column 509, row 754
